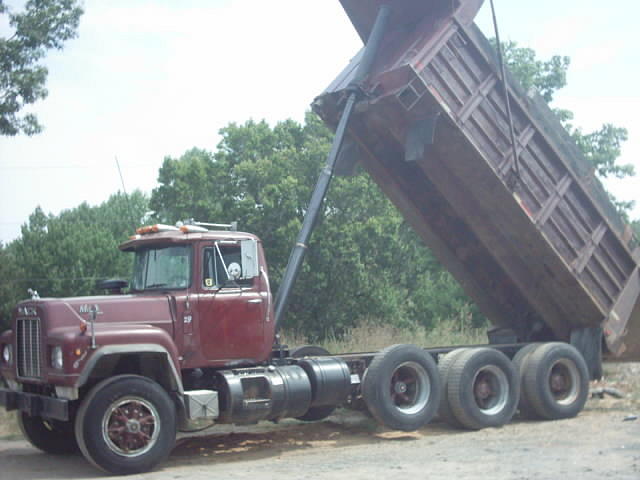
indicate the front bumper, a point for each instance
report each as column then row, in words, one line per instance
column 35, row 405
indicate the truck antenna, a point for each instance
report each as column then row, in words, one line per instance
column 126, row 196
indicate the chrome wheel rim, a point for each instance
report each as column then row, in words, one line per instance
column 130, row 426
column 490, row 389
column 410, row 388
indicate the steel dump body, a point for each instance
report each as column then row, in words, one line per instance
column 536, row 244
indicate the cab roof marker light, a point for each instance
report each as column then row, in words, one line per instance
column 233, row 226
column 158, row 227
column 192, row 229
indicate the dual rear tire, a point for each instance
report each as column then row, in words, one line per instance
column 555, row 381
column 483, row 388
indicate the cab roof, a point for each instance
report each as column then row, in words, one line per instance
column 178, row 237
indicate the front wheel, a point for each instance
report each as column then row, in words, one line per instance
column 50, row 436
column 126, row 424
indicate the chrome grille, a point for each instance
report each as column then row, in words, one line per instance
column 28, row 345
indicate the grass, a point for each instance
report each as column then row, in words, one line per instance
column 369, row 336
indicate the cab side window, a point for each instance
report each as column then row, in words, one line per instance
column 218, row 270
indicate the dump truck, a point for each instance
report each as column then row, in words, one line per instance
column 480, row 169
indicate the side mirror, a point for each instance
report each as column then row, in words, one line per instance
column 249, row 258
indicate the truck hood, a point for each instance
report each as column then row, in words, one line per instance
column 146, row 309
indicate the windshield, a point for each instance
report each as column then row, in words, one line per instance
column 162, row 268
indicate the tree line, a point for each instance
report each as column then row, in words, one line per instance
column 365, row 262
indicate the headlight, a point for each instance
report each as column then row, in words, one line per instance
column 56, row 358
column 7, row 354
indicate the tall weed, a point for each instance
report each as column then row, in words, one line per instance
column 371, row 335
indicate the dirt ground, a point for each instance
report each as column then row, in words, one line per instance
column 602, row 442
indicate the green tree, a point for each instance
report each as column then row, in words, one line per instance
column 65, row 254
column 43, row 25
column 546, row 76
column 9, row 293
column 602, row 146
column 363, row 260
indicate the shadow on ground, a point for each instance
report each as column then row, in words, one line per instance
column 221, row 445
column 341, row 430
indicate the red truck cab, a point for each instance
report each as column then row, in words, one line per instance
column 189, row 296
column 217, row 290
column 115, row 375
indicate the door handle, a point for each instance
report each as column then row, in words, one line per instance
column 255, row 300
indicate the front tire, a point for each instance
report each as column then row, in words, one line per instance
column 50, row 436
column 126, row 424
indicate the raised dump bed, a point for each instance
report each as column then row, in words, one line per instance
column 535, row 242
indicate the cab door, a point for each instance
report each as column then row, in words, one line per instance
column 231, row 313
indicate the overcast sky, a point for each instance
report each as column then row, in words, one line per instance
column 146, row 79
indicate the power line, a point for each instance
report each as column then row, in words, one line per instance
column 126, row 197
column 40, row 167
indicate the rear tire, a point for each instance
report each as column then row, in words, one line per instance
column 50, row 436
column 126, row 424
column 483, row 388
column 520, row 363
column 402, row 387
column 314, row 414
column 444, row 366
column 556, row 381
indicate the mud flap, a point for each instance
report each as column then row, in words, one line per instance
column 588, row 341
